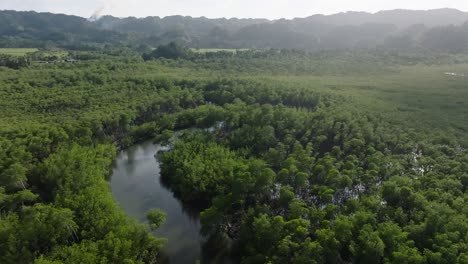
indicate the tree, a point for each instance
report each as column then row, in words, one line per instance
column 156, row 218
column 169, row 51
column 14, row 177
column 368, row 247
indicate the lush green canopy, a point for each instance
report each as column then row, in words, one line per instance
column 299, row 158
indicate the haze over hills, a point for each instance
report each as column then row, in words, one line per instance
column 441, row 29
column 400, row 17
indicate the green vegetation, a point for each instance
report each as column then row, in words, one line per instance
column 20, row 58
column 299, row 157
column 217, row 50
column 441, row 30
column 156, row 217
column 49, row 55
column 360, row 167
column 16, row 52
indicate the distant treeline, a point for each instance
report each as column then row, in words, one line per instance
column 14, row 62
column 301, row 59
column 443, row 30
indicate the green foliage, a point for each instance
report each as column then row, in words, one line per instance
column 14, row 62
column 368, row 248
column 198, row 170
column 169, row 51
column 297, row 158
column 397, row 30
column 16, row 52
column 156, row 217
column 364, row 174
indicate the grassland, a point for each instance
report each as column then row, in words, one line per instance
column 217, row 50
column 418, row 95
column 16, row 52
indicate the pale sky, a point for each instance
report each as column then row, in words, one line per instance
column 272, row 9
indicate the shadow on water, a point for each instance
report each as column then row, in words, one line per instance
column 137, row 187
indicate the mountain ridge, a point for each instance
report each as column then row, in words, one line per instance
column 400, row 28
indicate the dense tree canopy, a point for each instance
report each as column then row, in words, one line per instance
column 297, row 158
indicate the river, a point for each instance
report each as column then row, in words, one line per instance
column 136, row 186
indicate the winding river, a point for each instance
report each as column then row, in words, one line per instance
column 136, row 186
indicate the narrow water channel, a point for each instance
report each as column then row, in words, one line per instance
column 137, row 188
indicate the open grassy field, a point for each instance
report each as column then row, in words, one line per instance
column 17, row 52
column 217, row 50
column 418, row 95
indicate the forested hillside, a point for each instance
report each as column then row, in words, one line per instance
column 31, row 29
column 345, row 157
column 441, row 30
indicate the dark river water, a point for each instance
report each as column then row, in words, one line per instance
column 136, row 186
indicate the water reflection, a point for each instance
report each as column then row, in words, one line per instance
column 137, row 187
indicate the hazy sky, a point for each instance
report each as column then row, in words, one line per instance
column 223, row 8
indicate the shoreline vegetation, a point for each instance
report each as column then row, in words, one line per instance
column 314, row 158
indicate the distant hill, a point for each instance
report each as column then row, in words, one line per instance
column 400, row 18
column 31, row 29
column 440, row 29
